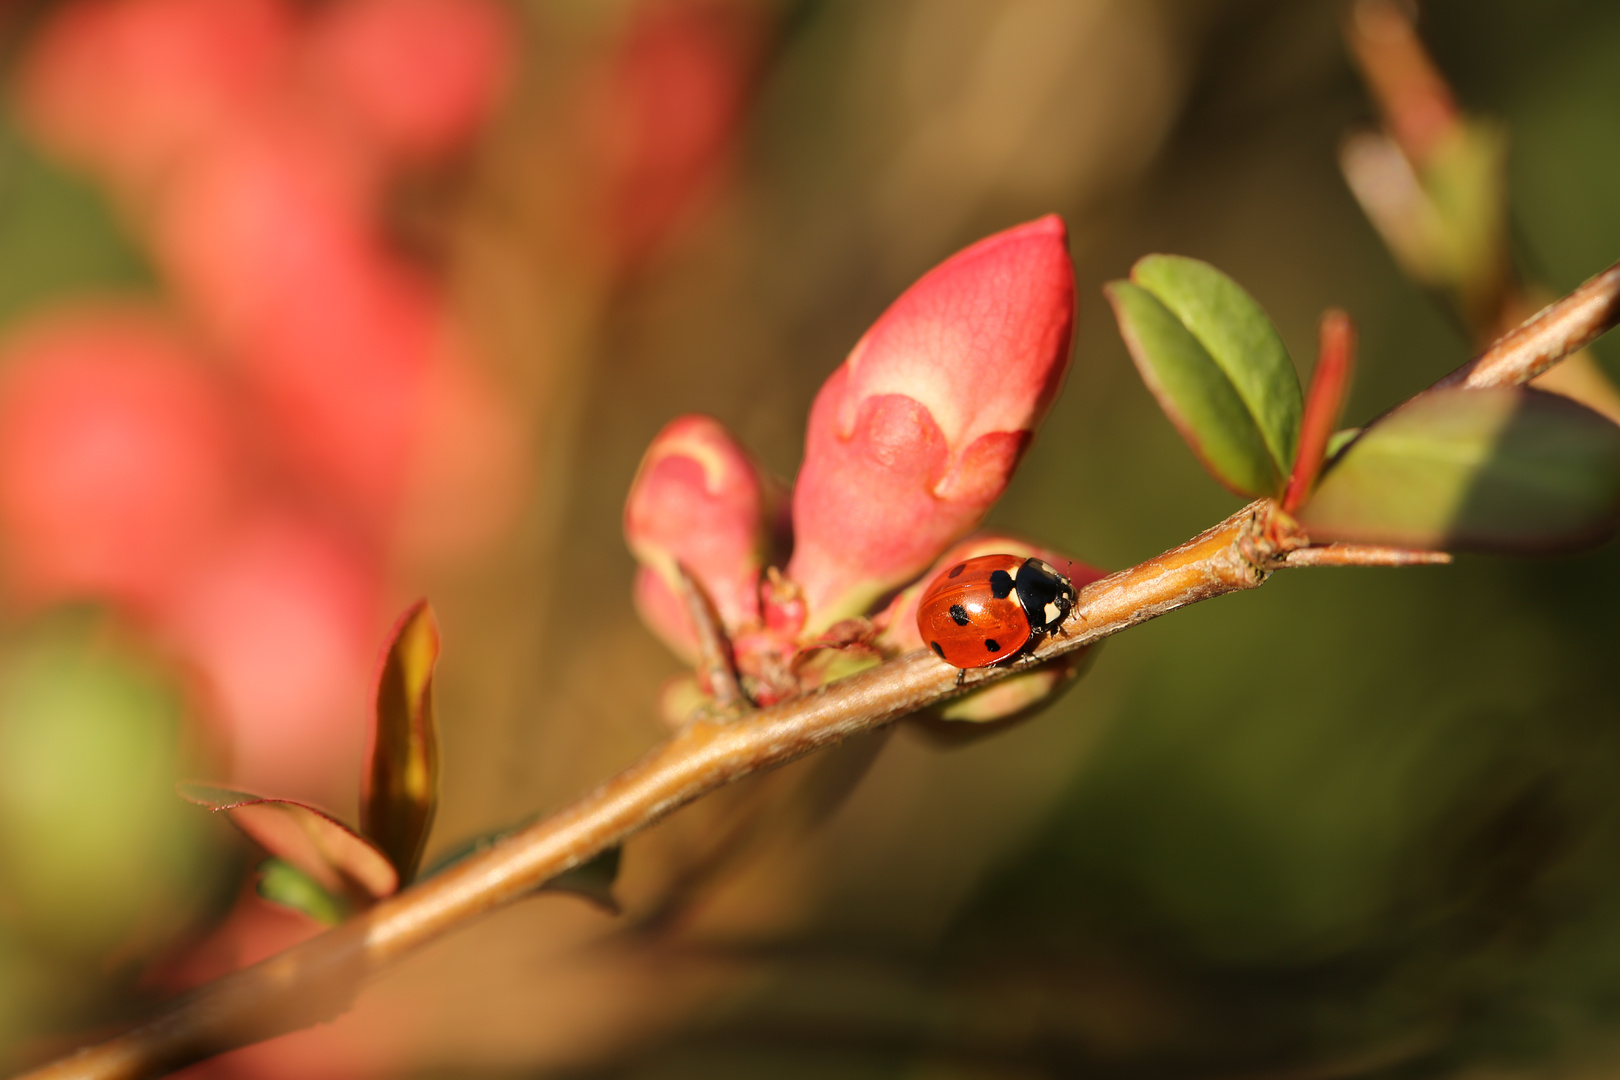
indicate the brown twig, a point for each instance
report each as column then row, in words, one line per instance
column 317, row 979
column 1547, row 337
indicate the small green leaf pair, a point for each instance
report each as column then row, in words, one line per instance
column 325, row 869
column 1507, row 469
column 1217, row 366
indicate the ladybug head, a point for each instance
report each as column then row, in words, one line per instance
column 1046, row 595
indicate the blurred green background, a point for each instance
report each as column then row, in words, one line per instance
column 1356, row 822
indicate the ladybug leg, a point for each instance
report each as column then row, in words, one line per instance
column 961, row 673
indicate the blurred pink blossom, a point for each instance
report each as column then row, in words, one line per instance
column 666, row 112
column 268, row 237
column 697, row 499
column 127, row 86
column 417, row 78
column 915, row 436
column 116, row 458
column 283, row 620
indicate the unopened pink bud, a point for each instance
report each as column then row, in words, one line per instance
column 916, row 435
column 697, row 500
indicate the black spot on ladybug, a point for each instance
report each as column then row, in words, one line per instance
column 990, row 645
column 939, row 652
column 959, row 615
column 958, row 571
column 1001, row 584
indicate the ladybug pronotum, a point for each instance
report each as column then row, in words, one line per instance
column 993, row 608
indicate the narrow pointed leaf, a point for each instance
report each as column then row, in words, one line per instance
column 1508, row 469
column 1339, row 440
column 281, row 882
column 592, row 880
column 1194, row 393
column 400, row 786
column 333, row 855
column 1224, row 379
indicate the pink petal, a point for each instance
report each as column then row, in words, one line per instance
column 914, row 438
column 698, row 500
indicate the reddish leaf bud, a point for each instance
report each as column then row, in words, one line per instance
column 917, row 434
column 697, row 500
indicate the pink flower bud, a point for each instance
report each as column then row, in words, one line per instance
column 917, row 434
column 697, row 500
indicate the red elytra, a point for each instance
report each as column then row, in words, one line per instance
column 992, row 608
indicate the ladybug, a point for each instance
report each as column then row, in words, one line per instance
column 992, row 608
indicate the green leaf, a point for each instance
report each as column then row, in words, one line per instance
column 281, row 882
column 1339, row 440
column 592, row 880
column 1217, row 367
column 1509, row 469
column 400, row 786
column 337, row 858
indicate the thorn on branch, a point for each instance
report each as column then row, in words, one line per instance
column 716, row 667
column 1363, row 555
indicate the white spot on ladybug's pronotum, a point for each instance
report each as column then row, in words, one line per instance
column 1051, row 611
